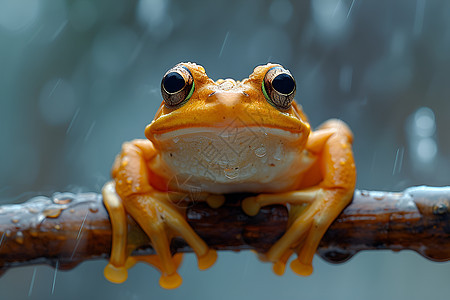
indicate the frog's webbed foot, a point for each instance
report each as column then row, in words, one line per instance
column 161, row 220
column 311, row 213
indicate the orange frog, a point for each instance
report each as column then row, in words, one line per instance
column 228, row 136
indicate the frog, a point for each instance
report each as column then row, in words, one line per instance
column 211, row 138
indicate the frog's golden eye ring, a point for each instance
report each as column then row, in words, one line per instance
column 177, row 86
column 279, row 87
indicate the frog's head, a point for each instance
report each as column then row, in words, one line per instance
column 194, row 103
column 250, row 126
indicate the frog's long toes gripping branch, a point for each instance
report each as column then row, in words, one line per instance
column 160, row 220
column 312, row 210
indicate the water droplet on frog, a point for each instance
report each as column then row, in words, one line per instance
column 231, row 173
column 278, row 155
column 261, row 151
column 19, row 237
column 15, row 220
column 129, row 180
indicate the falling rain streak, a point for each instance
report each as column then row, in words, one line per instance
column 88, row 133
column 30, row 290
column 223, row 44
column 54, row 276
column 79, row 234
column 398, row 161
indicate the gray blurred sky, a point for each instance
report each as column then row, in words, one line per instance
column 78, row 78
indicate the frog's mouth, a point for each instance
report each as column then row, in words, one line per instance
column 230, row 133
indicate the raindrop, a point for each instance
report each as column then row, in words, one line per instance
column 93, row 207
column 52, row 212
column 278, row 153
column 398, row 160
column 30, row 290
column 15, row 220
column 57, row 102
column 261, row 151
column 62, row 198
column 54, row 276
column 88, row 133
column 223, row 44
column 2, row 238
column 231, row 173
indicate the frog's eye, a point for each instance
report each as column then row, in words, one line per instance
column 177, row 86
column 279, row 87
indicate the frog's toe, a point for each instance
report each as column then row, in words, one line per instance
column 207, row 260
column 300, row 268
column 215, row 201
column 115, row 274
column 251, row 206
column 279, row 267
column 171, row 281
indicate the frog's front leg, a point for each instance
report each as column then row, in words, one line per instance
column 154, row 211
column 313, row 209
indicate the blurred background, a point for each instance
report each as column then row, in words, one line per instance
column 78, row 78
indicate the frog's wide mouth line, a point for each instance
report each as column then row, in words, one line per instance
column 230, row 132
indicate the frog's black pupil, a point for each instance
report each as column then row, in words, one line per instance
column 173, row 82
column 283, row 84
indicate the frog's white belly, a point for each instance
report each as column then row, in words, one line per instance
column 238, row 160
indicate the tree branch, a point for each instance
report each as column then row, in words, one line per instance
column 71, row 228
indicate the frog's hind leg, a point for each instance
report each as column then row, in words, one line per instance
column 116, row 271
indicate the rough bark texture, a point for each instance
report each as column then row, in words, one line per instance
column 71, row 228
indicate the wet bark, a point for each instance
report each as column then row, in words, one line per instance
column 71, row 228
